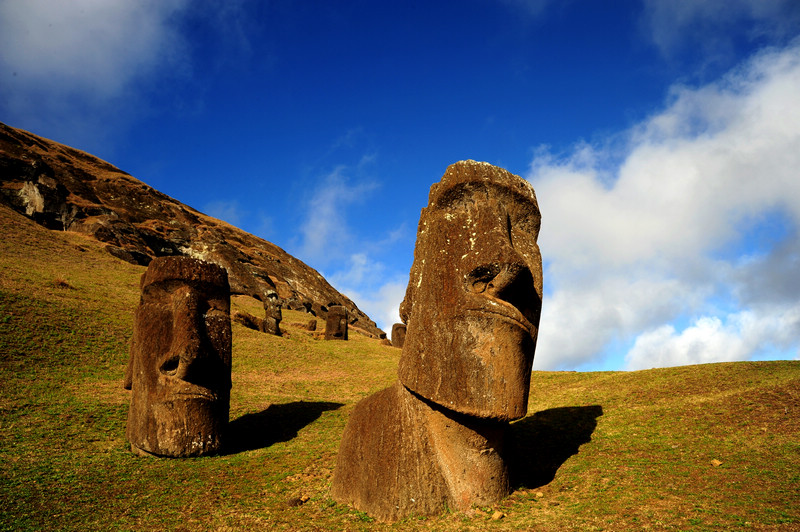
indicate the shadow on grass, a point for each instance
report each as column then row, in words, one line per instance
column 277, row 423
column 539, row 444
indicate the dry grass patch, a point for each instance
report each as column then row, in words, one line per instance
column 599, row 451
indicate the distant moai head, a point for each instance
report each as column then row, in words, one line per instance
column 474, row 295
column 272, row 306
column 336, row 323
column 180, row 368
column 272, row 309
column 398, row 334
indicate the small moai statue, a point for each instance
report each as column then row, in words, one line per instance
column 435, row 439
column 272, row 309
column 312, row 325
column 336, row 323
column 398, row 334
column 179, row 370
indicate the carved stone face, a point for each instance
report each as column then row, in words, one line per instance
column 474, row 297
column 272, row 306
column 336, row 323
column 180, row 369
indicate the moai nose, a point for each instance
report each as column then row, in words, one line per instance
column 495, row 279
column 511, row 282
column 505, row 278
column 186, row 349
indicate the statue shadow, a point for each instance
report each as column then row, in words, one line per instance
column 278, row 423
column 539, row 444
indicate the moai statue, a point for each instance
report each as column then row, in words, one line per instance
column 272, row 309
column 398, row 334
column 336, row 323
column 472, row 306
column 180, row 363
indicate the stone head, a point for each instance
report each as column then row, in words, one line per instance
column 336, row 323
column 473, row 300
column 180, row 369
column 272, row 306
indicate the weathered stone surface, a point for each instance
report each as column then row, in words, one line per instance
column 402, row 455
column 336, row 323
column 272, row 309
column 474, row 295
column 180, row 363
column 66, row 189
column 398, row 334
column 435, row 439
column 311, row 325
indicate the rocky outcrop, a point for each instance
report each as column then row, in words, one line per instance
column 66, row 189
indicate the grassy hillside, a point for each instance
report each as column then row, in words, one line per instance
column 713, row 447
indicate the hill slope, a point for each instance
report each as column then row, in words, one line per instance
column 713, row 447
column 66, row 189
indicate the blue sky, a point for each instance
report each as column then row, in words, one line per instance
column 662, row 138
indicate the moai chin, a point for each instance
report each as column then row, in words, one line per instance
column 272, row 309
column 336, row 323
column 180, row 363
column 472, row 306
column 398, row 335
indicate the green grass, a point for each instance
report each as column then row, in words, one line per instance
column 598, row 451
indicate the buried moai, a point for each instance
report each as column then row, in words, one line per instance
column 272, row 309
column 336, row 323
column 179, row 371
column 398, row 335
column 472, row 306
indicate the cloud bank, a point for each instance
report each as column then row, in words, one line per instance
column 710, row 26
column 646, row 238
column 328, row 240
column 63, row 62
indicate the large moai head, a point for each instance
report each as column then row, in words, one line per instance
column 336, row 323
column 180, row 367
column 474, row 295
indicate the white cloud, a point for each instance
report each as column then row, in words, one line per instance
column 87, row 46
column 65, row 67
column 78, row 70
column 365, row 282
column 705, row 26
column 633, row 246
column 710, row 339
column 325, row 231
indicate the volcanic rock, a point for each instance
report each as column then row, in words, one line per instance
column 66, row 189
